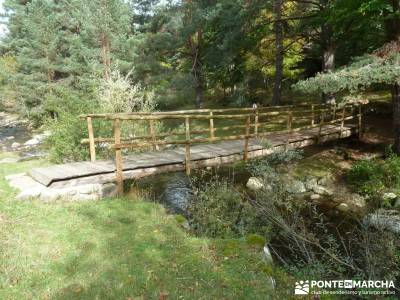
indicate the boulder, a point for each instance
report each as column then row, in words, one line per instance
column 32, row 142
column 311, row 183
column 343, row 207
column 326, row 180
column 15, row 145
column 357, row 201
column 397, row 203
column 389, row 196
column 315, row 197
column 384, row 219
column 254, row 184
column 295, row 187
column 320, row 190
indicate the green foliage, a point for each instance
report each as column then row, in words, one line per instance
column 374, row 177
column 64, row 143
column 363, row 73
column 219, row 210
column 367, row 177
column 256, row 240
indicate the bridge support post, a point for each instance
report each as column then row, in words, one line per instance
column 187, row 146
column 119, row 177
column 92, row 147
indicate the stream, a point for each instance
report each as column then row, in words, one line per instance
column 15, row 133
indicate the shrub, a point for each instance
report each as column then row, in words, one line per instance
column 219, row 210
column 366, row 177
column 67, row 132
column 117, row 94
column 375, row 176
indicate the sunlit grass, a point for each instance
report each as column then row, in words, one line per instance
column 115, row 249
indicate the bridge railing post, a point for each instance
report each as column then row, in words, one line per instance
column 312, row 115
column 289, row 128
column 92, row 147
column 211, row 126
column 256, row 121
column 246, row 141
column 153, row 134
column 187, row 145
column 334, row 111
column 321, row 124
column 119, row 177
column 342, row 122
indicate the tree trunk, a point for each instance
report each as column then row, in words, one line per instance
column 396, row 117
column 328, row 57
column 105, row 47
column 199, row 94
column 197, row 70
column 278, row 29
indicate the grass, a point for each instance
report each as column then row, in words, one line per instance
column 116, row 249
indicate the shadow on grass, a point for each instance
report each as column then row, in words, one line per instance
column 122, row 249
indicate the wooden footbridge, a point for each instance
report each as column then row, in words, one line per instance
column 148, row 143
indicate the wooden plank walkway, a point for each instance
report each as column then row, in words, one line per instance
column 202, row 155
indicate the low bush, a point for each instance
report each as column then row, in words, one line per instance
column 373, row 177
column 219, row 210
column 306, row 242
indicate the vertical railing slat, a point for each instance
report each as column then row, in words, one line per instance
column 153, row 134
column 321, row 124
column 211, row 126
column 187, row 145
column 342, row 121
column 92, row 147
column 119, row 177
column 246, row 141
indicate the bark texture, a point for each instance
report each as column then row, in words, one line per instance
column 278, row 30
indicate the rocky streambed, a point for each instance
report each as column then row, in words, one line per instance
column 17, row 137
column 319, row 177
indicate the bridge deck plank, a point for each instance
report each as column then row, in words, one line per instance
column 199, row 152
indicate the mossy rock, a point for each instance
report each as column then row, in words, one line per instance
column 180, row 219
column 256, row 240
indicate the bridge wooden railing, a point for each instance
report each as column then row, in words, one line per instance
column 250, row 122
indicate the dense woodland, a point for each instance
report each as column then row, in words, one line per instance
column 203, row 53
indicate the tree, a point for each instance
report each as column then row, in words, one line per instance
column 59, row 47
column 278, row 30
column 382, row 66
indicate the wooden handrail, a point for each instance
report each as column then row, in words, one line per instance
column 257, row 123
column 192, row 111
